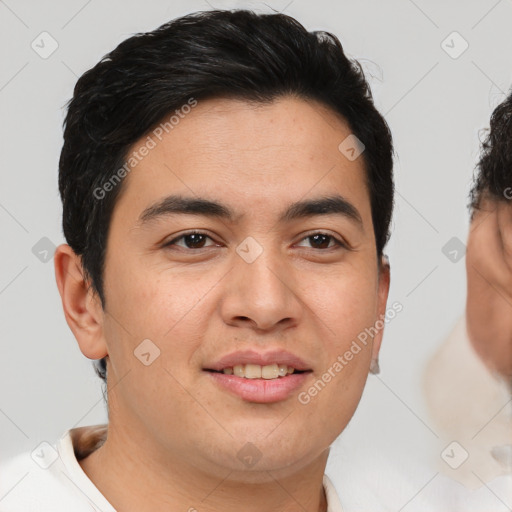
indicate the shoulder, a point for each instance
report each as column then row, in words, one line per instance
column 34, row 481
column 47, row 479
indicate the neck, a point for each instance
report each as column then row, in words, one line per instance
column 134, row 475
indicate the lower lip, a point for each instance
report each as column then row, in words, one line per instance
column 261, row 390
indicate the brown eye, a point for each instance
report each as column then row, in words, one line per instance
column 190, row 241
column 323, row 241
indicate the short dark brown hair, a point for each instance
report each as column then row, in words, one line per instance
column 230, row 54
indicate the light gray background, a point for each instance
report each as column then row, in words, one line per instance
column 435, row 106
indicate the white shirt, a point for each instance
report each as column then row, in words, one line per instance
column 472, row 409
column 369, row 482
column 50, row 479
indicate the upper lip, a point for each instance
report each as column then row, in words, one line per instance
column 261, row 358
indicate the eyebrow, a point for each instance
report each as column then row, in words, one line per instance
column 176, row 204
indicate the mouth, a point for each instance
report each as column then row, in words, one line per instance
column 256, row 371
column 259, row 377
column 261, row 384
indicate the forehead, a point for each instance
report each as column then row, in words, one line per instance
column 254, row 153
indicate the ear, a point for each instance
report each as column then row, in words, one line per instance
column 383, row 291
column 82, row 307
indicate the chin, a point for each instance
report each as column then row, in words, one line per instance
column 267, row 468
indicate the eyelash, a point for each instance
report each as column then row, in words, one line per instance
column 338, row 242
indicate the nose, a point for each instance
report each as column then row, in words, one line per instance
column 262, row 295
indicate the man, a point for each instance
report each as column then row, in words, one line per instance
column 227, row 192
column 489, row 261
column 469, row 380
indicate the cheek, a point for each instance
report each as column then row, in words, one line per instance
column 472, row 253
column 329, row 403
column 163, row 306
column 151, row 300
column 346, row 304
column 345, row 314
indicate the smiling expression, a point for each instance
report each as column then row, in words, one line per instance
column 244, row 237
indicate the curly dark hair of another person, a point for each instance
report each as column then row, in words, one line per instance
column 494, row 169
column 234, row 54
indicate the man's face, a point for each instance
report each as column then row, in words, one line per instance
column 489, row 278
column 258, row 281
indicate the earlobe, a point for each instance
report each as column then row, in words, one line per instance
column 81, row 305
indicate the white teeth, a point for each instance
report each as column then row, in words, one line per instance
column 270, row 372
column 252, row 371
column 238, row 370
column 255, row 371
column 283, row 370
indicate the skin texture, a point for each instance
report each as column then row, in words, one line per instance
column 489, row 277
column 173, row 435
